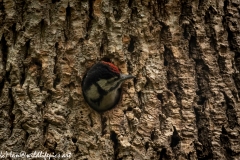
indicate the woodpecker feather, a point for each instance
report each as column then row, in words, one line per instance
column 101, row 86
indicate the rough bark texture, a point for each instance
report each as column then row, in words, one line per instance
column 183, row 104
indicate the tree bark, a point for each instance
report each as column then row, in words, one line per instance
column 183, row 104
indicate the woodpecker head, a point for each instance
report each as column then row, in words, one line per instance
column 101, row 86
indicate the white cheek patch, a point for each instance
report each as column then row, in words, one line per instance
column 107, row 84
column 92, row 93
column 102, row 83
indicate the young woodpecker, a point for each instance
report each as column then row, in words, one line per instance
column 101, row 86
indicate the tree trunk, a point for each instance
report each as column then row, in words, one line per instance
column 183, row 104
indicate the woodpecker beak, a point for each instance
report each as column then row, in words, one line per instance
column 125, row 77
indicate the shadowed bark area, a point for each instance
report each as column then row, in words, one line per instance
column 183, row 104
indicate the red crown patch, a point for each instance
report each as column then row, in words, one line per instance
column 112, row 66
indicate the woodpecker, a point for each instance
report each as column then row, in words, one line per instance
column 101, row 86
